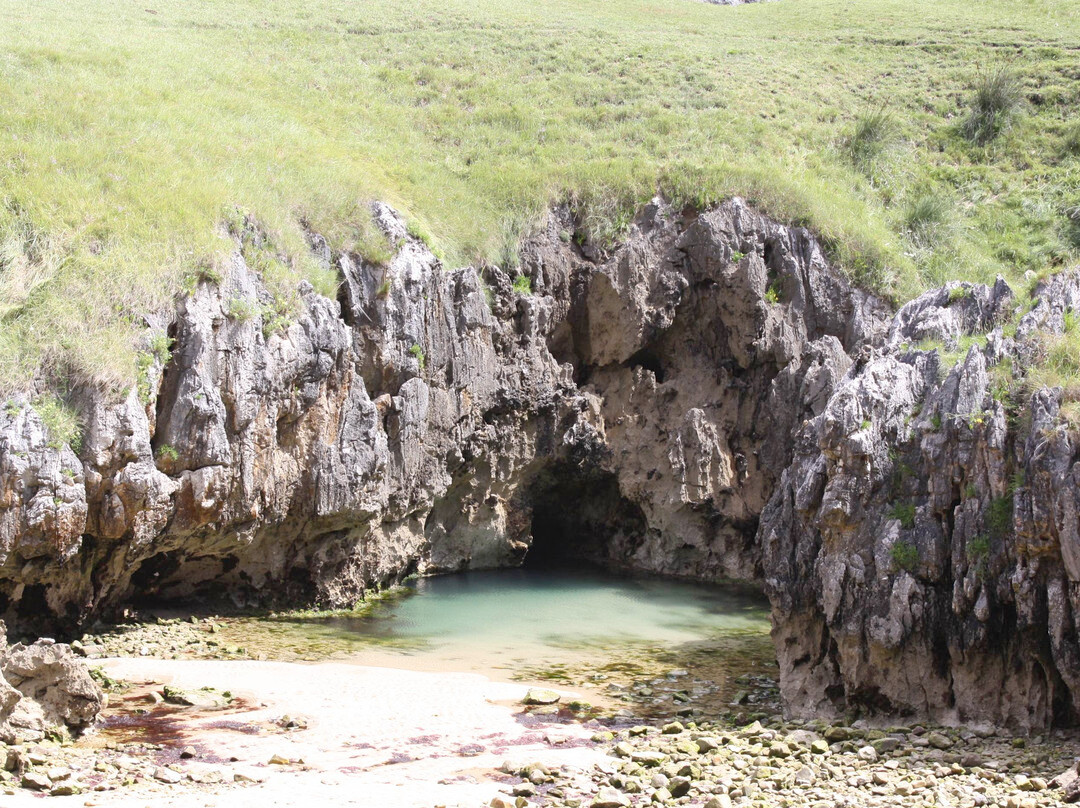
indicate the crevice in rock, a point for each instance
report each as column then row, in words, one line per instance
column 343, row 302
column 647, row 358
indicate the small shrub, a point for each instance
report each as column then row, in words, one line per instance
column 161, row 346
column 999, row 517
column 1001, row 381
column 970, row 492
column 167, row 453
column 384, row 288
column 874, row 130
column 1019, row 479
column 935, row 422
column 242, row 309
column 904, row 555
column 978, row 548
column 737, row 256
column 523, row 285
column 275, row 318
column 904, row 513
column 12, row 408
column 866, row 424
column 61, row 422
column 772, row 294
column 418, row 353
column 996, row 99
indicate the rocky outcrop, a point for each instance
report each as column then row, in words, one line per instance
column 709, row 400
column 918, row 550
column 44, row 688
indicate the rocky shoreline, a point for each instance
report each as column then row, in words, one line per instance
column 664, row 740
column 811, row 763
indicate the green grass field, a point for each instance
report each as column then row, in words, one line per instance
column 130, row 132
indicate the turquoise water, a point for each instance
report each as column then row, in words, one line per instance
column 480, row 619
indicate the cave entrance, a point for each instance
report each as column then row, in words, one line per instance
column 580, row 517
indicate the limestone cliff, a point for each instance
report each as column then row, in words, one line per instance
column 709, row 400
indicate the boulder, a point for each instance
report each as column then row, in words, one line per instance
column 43, row 686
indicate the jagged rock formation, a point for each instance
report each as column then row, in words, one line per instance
column 709, row 400
column 44, row 687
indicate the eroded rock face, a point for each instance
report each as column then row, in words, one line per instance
column 919, row 549
column 709, row 400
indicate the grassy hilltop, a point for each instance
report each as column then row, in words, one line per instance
column 133, row 133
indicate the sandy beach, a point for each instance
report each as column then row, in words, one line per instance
column 374, row 737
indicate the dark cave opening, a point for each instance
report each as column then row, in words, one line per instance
column 580, row 517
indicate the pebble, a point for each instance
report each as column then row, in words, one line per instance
column 610, row 798
column 36, row 781
column 165, row 775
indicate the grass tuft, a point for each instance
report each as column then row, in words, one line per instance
column 875, row 129
column 996, row 99
column 927, row 218
column 63, row 424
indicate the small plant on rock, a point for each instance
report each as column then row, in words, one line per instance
column 999, row 517
column 904, row 513
column 167, row 453
column 978, row 548
column 61, row 422
column 905, row 556
column 418, row 353
column 523, row 285
column 241, row 309
column 956, row 294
